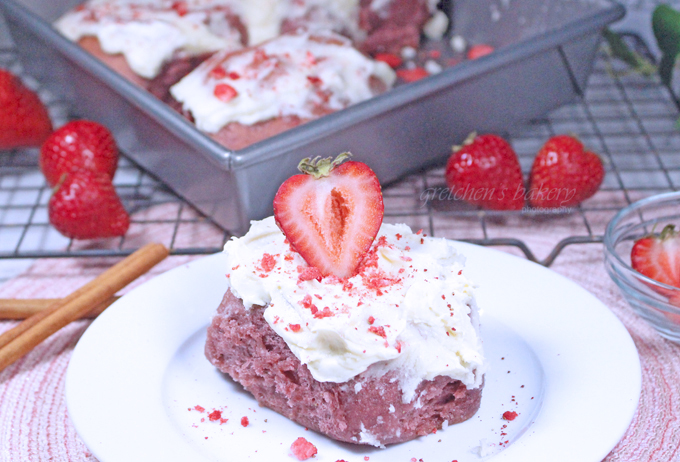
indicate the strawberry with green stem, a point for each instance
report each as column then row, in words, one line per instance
column 330, row 213
column 79, row 161
column 485, row 171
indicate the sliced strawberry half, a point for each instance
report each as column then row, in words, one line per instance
column 657, row 256
column 330, row 213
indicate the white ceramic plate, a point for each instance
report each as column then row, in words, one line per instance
column 558, row 357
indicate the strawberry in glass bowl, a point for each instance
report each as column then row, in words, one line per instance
column 642, row 256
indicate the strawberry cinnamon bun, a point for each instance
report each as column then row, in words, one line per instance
column 244, row 96
column 152, row 39
column 388, row 354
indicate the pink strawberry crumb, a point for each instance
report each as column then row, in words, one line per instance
column 215, row 415
column 224, row 92
column 267, row 263
column 325, row 313
column 380, row 331
column 509, row 415
column 244, row 421
column 303, row 449
column 309, row 273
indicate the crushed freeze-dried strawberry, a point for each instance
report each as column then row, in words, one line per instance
column 477, row 51
column 224, row 92
column 308, row 273
column 303, row 449
column 199, row 408
column 379, row 331
column 294, row 327
column 392, row 60
column 378, row 280
column 510, row 415
column 217, row 72
column 411, row 75
column 311, row 59
column 215, row 415
column 244, row 421
column 306, row 301
column 325, row 313
column 268, row 262
column 371, row 319
column 181, row 8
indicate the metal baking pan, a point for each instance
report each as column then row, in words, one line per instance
column 544, row 53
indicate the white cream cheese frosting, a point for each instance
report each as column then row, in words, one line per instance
column 264, row 18
column 410, row 308
column 150, row 32
column 291, row 75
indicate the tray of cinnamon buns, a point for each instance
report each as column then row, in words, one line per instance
column 221, row 98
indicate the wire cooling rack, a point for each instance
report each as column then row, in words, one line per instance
column 628, row 119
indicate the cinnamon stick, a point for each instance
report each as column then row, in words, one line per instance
column 22, row 308
column 18, row 341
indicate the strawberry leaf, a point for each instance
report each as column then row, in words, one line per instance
column 666, row 26
column 620, row 50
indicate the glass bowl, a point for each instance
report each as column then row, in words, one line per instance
column 657, row 303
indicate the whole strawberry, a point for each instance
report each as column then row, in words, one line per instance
column 85, row 206
column 564, row 174
column 24, row 121
column 331, row 213
column 80, row 144
column 485, row 172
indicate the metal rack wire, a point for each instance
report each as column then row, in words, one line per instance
column 630, row 120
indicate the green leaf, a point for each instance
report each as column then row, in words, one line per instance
column 666, row 26
column 619, row 49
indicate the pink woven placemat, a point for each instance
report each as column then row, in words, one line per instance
column 34, row 422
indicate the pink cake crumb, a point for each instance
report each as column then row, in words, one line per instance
column 303, row 449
